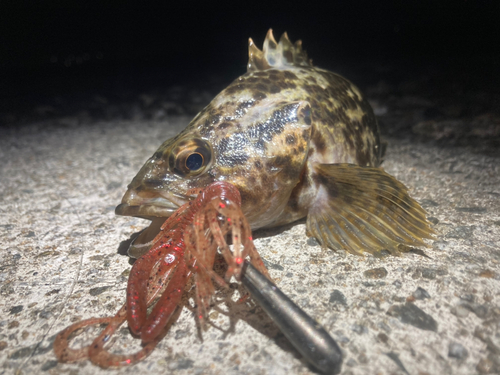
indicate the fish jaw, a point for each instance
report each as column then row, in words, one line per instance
column 153, row 205
column 163, row 204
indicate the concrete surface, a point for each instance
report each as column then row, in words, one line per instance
column 60, row 181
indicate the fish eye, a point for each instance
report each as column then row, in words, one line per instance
column 194, row 161
column 190, row 157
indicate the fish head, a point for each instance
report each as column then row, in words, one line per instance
column 258, row 146
column 166, row 180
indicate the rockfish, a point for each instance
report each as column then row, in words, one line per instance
column 297, row 141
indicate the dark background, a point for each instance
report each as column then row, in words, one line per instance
column 56, row 59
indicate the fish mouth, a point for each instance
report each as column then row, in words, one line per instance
column 151, row 205
column 156, row 206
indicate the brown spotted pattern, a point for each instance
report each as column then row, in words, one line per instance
column 266, row 132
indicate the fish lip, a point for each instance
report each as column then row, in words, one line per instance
column 145, row 211
column 162, row 204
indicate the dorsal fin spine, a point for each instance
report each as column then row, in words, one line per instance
column 276, row 54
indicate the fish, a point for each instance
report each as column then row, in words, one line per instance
column 298, row 141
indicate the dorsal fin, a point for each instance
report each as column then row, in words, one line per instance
column 275, row 54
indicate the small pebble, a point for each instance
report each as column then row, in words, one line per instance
column 468, row 297
column 474, row 210
column 428, row 203
column 362, row 358
column 49, row 365
column 428, row 273
column 457, row 350
column 398, row 284
column 337, row 297
column 433, row 220
column 359, row 329
column 311, row 241
column 181, row 333
column 276, row 266
column 487, row 274
column 480, row 310
column 16, row 309
column 45, row 314
column 413, row 315
column 21, row 353
column 184, row 364
column 421, row 293
column 397, row 361
column 464, row 231
column 441, row 271
column 340, row 337
column 461, row 311
column 440, row 245
column 383, row 337
column 376, row 273
column 485, row 366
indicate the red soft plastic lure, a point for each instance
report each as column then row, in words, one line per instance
column 185, row 248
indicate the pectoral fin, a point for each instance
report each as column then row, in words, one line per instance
column 365, row 209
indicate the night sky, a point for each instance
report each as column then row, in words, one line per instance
column 72, row 48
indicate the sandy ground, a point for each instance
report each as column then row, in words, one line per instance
column 60, row 182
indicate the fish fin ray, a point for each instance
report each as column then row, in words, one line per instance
column 364, row 209
column 276, row 54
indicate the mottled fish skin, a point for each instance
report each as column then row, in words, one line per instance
column 265, row 133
